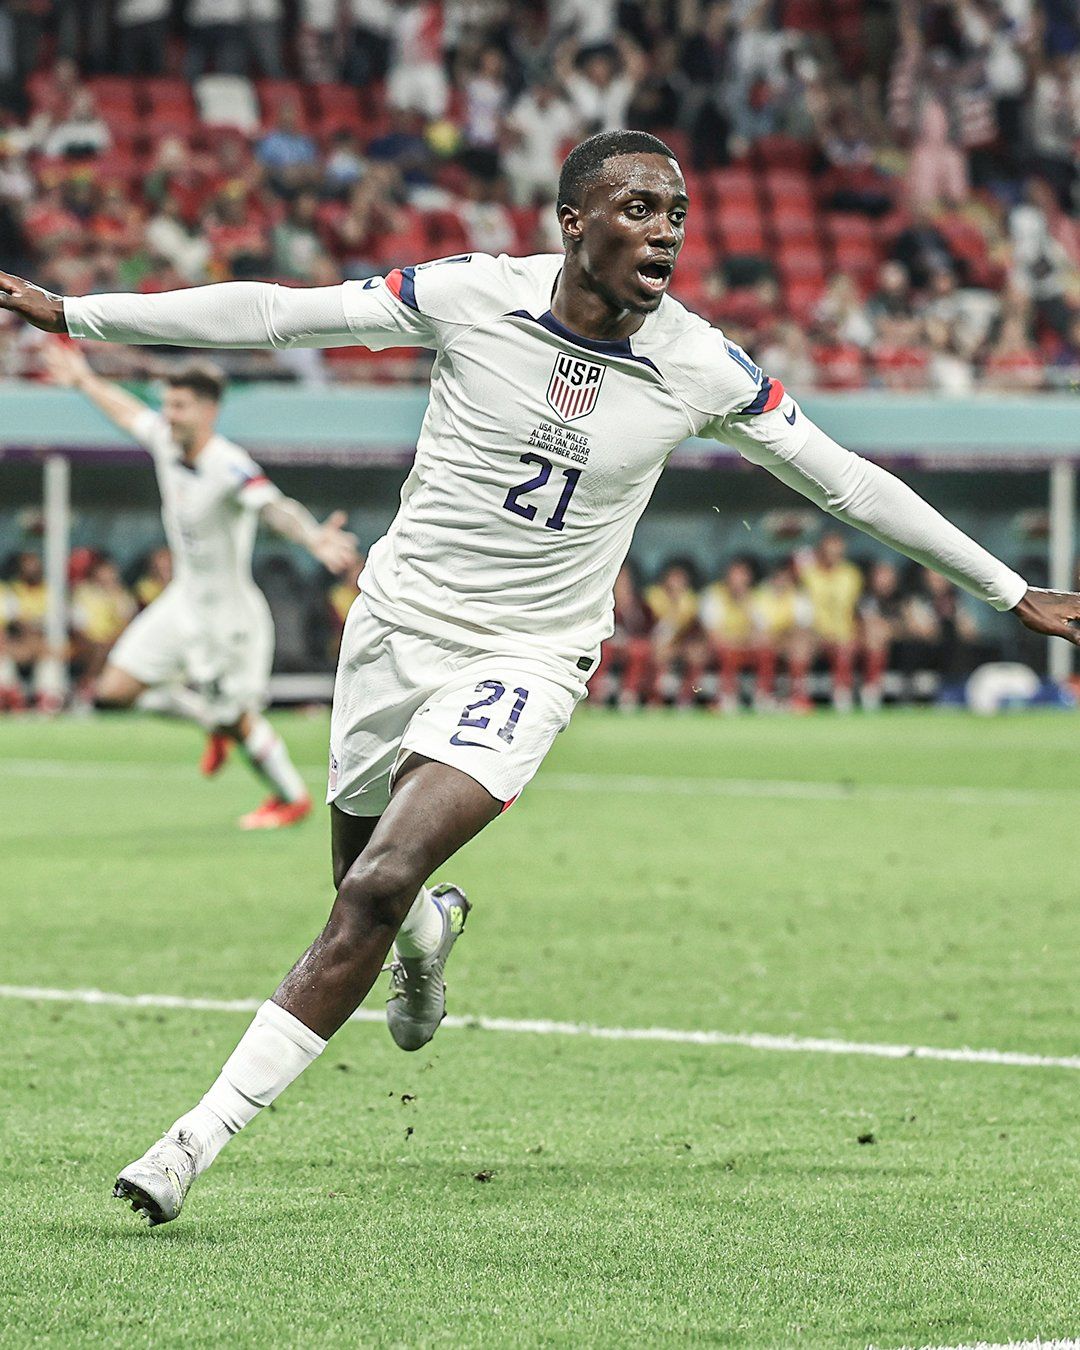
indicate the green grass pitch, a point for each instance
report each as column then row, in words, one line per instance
column 819, row 877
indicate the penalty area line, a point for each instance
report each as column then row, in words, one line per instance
column 751, row 1040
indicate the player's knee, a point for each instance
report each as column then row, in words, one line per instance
column 381, row 885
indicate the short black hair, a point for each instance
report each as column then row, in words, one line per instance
column 583, row 164
column 203, row 378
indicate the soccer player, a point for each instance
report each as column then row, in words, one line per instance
column 211, row 626
column 560, row 387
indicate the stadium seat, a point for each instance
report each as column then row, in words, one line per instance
column 732, row 187
column 808, row 16
column 273, row 93
column 801, row 262
column 784, row 152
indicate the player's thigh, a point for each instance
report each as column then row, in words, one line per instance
column 434, row 810
column 494, row 721
column 349, row 836
column 152, row 648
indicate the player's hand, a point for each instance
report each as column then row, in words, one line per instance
column 64, row 364
column 1055, row 613
column 335, row 547
column 41, row 308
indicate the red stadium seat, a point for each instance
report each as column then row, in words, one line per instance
column 800, row 297
column 784, row 152
column 273, row 93
column 801, row 262
column 846, row 225
column 743, row 237
column 806, row 15
column 795, row 228
column 731, row 187
column 787, row 186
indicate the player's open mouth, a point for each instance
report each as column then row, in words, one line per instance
column 656, row 274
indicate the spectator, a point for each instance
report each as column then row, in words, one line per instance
column 101, row 608
column 680, row 648
column 170, row 237
column 1013, row 364
column 842, row 309
column 344, row 165
column 937, row 172
column 216, row 37
column 417, row 80
column 893, row 297
column 295, row 242
column 600, row 82
column 786, row 355
column 155, row 574
column 536, row 129
column 28, row 669
column 287, row 152
column 264, row 36
column 625, row 670
column 486, row 98
column 142, row 27
column 1054, row 117
column 939, row 630
column 370, row 40
column 949, row 371
column 705, row 60
column 923, row 249
column 80, row 132
column 834, row 586
column 880, row 616
column 899, row 353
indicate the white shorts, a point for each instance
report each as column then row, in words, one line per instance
column 491, row 715
column 226, row 654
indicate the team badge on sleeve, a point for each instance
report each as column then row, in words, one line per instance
column 574, row 386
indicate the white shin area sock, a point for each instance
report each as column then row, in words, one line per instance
column 274, row 1050
column 270, row 757
column 422, row 930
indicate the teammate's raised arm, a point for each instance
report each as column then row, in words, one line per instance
column 66, row 366
column 230, row 314
column 330, row 543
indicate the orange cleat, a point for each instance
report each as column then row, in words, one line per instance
column 215, row 754
column 274, row 814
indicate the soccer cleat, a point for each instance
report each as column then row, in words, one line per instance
column 156, row 1184
column 416, row 1003
column 215, row 753
column 275, row 813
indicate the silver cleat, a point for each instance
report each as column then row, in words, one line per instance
column 416, row 1003
column 157, row 1183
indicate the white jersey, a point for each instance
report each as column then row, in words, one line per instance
column 210, row 512
column 539, row 449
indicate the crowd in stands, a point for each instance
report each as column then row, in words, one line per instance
column 884, row 192
column 808, row 629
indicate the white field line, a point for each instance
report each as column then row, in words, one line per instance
column 752, row 1040
column 1070, row 1343
column 631, row 784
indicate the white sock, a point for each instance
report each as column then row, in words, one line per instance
column 177, row 700
column 9, row 676
column 422, row 930
column 274, row 1050
column 268, row 756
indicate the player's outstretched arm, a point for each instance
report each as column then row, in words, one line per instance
column 230, row 314
column 867, row 496
column 39, row 307
column 67, row 367
column 330, row 543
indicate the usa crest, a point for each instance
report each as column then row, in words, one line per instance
column 574, row 387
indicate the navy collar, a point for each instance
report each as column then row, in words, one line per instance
column 621, row 348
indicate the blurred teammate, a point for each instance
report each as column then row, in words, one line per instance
column 783, row 615
column 834, row 585
column 205, row 646
column 560, row 387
